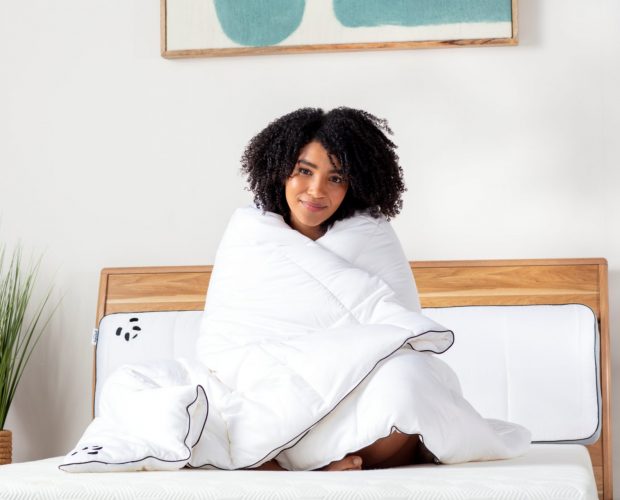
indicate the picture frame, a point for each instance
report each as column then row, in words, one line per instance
column 213, row 28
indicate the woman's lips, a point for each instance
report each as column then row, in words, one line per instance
column 313, row 207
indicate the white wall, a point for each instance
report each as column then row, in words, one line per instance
column 113, row 156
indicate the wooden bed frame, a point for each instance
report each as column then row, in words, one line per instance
column 441, row 284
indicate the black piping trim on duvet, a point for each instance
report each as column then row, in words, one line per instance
column 592, row 438
column 279, row 449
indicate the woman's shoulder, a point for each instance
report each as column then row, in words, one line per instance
column 249, row 225
column 363, row 222
column 360, row 233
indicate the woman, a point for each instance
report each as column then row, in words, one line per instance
column 312, row 321
column 315, row 168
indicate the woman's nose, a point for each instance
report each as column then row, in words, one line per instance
column 316, row 187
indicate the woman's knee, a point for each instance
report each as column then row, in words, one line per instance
column 384, row 449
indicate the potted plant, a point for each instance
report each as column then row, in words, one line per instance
column 20, row 330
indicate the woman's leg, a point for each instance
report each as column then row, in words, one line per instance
column 350, row 462
column 391, row 451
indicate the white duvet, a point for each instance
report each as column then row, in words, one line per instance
column 309, row 350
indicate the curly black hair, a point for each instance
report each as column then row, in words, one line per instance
column 356, row 138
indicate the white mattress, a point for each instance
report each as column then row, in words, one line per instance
column 549, row 471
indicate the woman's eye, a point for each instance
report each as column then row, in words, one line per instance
column 304, row 171
column 337, row 180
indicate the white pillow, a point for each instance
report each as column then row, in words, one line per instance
column 535, row 365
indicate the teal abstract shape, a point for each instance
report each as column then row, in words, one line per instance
column 259, row 23
column 359, row 13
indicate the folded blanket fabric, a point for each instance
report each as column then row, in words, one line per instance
column 309, row 350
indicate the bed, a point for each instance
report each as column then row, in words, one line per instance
column 575, row 463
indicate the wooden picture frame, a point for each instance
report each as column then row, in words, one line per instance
column 212, row 28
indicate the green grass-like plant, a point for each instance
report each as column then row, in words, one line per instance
column 18, row 335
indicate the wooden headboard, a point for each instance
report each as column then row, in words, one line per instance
column 441, row 284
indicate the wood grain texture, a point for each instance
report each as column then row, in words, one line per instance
column 300, row 49
column 154, row 289
column 163, row 27
column 596, row 453
column 340, row 47
column 440, row 284
column 515, row 21
column 101, row 307
column 504, row 283
column 605, row 382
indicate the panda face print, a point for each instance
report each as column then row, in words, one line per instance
column 130, row 331
column 88, row 450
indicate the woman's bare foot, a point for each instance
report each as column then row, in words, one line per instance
column 271, row 465
column 350, row 462
column 394, row 450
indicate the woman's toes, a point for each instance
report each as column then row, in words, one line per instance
column 356, row 462
column 350, row 462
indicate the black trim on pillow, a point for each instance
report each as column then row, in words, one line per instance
column 199, row 389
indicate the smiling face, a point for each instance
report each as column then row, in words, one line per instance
column 314, row 190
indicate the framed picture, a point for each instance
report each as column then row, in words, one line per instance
column 202, row 28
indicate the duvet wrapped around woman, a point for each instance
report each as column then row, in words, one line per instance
column 313, row 353
column 312, row 312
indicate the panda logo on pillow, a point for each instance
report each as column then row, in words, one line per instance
column 130, row 332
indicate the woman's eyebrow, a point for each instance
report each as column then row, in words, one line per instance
column 312, row 165
column 307, row 163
